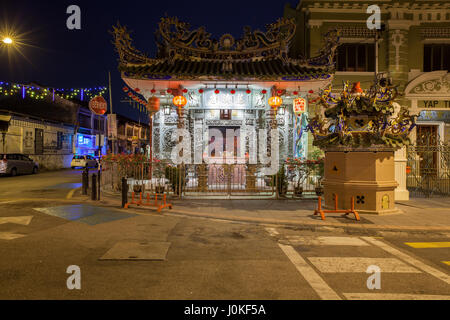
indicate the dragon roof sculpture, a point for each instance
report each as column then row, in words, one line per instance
column 192, row 54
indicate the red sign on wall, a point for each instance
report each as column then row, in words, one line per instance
column 98, row 105
column 299, row 105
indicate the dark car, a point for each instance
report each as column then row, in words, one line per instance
column 14, row 164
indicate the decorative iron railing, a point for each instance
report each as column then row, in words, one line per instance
column 291, row 181
column 428, row 168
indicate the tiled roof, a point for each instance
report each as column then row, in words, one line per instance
column 264, row 69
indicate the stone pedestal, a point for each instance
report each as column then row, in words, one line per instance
column 368, row 175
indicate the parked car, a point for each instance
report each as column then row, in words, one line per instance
column 14, row 164
column 83, row 162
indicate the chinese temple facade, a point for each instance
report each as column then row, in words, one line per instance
column 227, row 84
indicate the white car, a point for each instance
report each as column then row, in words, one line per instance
column 84, row 162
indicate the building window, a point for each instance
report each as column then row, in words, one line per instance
column 225, row 114
column 356, row 57
column 436, row 57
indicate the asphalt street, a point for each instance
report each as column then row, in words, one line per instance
column 43, row 231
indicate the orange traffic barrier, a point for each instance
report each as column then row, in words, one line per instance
column 155, row 203
column 347, row 212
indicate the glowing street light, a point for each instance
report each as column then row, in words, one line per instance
column 7, row 40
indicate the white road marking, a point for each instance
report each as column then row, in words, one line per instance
column 405, row 257
column 311, row 276
column 393, row 296
column 327, row 241
column 272, row 232
column 10, row 236
column 16, row 220
column 357, row 264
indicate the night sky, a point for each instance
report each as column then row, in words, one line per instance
column 58, row 57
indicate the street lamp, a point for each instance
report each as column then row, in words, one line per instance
column 7, row 40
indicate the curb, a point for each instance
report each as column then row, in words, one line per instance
column 290, row 222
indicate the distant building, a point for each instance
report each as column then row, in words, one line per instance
column 414, row 51
column 37, row 122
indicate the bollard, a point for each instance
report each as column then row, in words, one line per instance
column 99, row 182
column 85, row 182
column 94, row 187
column 124, row 192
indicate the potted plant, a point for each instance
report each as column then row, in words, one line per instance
column 280, row 181
column 173, row 174
column 300, row 173
column 319, row 169
column 158, row 169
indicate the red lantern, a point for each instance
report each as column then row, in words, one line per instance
column 153, row 91
column 125, row 89
column 295, row 93
column 137, row 90
column 130, row 94
column 180, row 101
column 264, row 91
column 185, row 91
column 311, row 91
column 217, row 91
column 169, row 91
column 280, row 92
column 201, row 91
column 233, row 91
column 153, row 104
column 275, row 102
column 249, row 91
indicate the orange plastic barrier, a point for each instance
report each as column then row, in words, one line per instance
column 347, row 212
column 160, row 206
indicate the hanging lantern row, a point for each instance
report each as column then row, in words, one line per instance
column 217, row 91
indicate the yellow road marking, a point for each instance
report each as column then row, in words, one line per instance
column 422, row 245
column 70, row 194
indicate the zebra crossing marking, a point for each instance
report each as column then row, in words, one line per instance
column 10, row 236
column 312, row 277
column 360, row 265
column 393, row 296
column 407, row 258
column 328, row 241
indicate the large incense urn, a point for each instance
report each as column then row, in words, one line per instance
column 360, row 132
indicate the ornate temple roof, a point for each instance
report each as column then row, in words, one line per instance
column 193, row 55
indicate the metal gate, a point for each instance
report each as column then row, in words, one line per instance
column 227, row 180
column 428, row 168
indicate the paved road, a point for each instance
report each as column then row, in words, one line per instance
column 206, row 258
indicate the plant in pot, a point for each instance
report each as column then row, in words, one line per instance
column 280, row 180
column 300, row 173
column 173, row 174
column 318, row 163
column 159, row 168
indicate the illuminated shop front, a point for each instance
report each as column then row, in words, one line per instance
column 86, row 145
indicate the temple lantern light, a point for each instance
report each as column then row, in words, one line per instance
column 153, row 105
column 180, row 102
column 275, row 102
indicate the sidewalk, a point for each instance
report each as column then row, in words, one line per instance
column 418, row 214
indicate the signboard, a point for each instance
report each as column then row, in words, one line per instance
column 434, row 104
column 98, row 106
column 112, row 126
column 99, row 140
column 226, row 100
column 299, row 106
